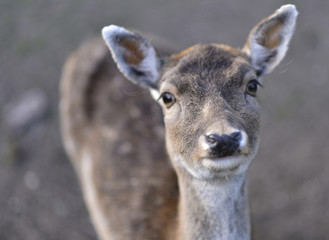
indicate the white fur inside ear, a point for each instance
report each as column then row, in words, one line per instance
column 109, row 31
column 259, row 54
column 150, row 64
column 147, row 69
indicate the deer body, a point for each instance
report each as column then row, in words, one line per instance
column 116, row 140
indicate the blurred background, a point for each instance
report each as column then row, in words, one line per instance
column 39, row 194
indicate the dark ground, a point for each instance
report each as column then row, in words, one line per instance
column 39, row 194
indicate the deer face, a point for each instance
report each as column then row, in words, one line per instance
column 211, row 113
column 207, row 92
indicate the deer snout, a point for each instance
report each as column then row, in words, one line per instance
column 224, row 141
column 223, row 145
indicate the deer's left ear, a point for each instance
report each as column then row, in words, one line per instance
column 268, row 41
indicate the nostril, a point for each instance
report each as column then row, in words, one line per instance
column 236, row 136
column 213, row 139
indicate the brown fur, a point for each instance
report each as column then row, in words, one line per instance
column 150, row 184
column 182, row 53
column 272, row 36
column 128, row 203
column 204, row 81
column 134, row 55
column 114, row 135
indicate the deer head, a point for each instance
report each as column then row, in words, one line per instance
column 208, row 92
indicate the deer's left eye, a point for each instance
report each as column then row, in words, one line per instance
column 168, row 99
column 252, row 87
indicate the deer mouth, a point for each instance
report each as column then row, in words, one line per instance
column 225, row 163
column 223, row 155
column 225, row 160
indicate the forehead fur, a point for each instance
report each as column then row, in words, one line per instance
column 205, row 67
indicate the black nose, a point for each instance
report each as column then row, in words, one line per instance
column 223, row 145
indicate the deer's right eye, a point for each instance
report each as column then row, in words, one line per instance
column 252, row 87
column 168, row 99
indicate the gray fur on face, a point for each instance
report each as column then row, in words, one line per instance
column 209, row 84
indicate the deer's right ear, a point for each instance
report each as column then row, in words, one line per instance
column 268, row 41
column 135, row 57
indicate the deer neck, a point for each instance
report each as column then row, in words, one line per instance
column 216, row 209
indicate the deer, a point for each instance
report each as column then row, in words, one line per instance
column 165, row 154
